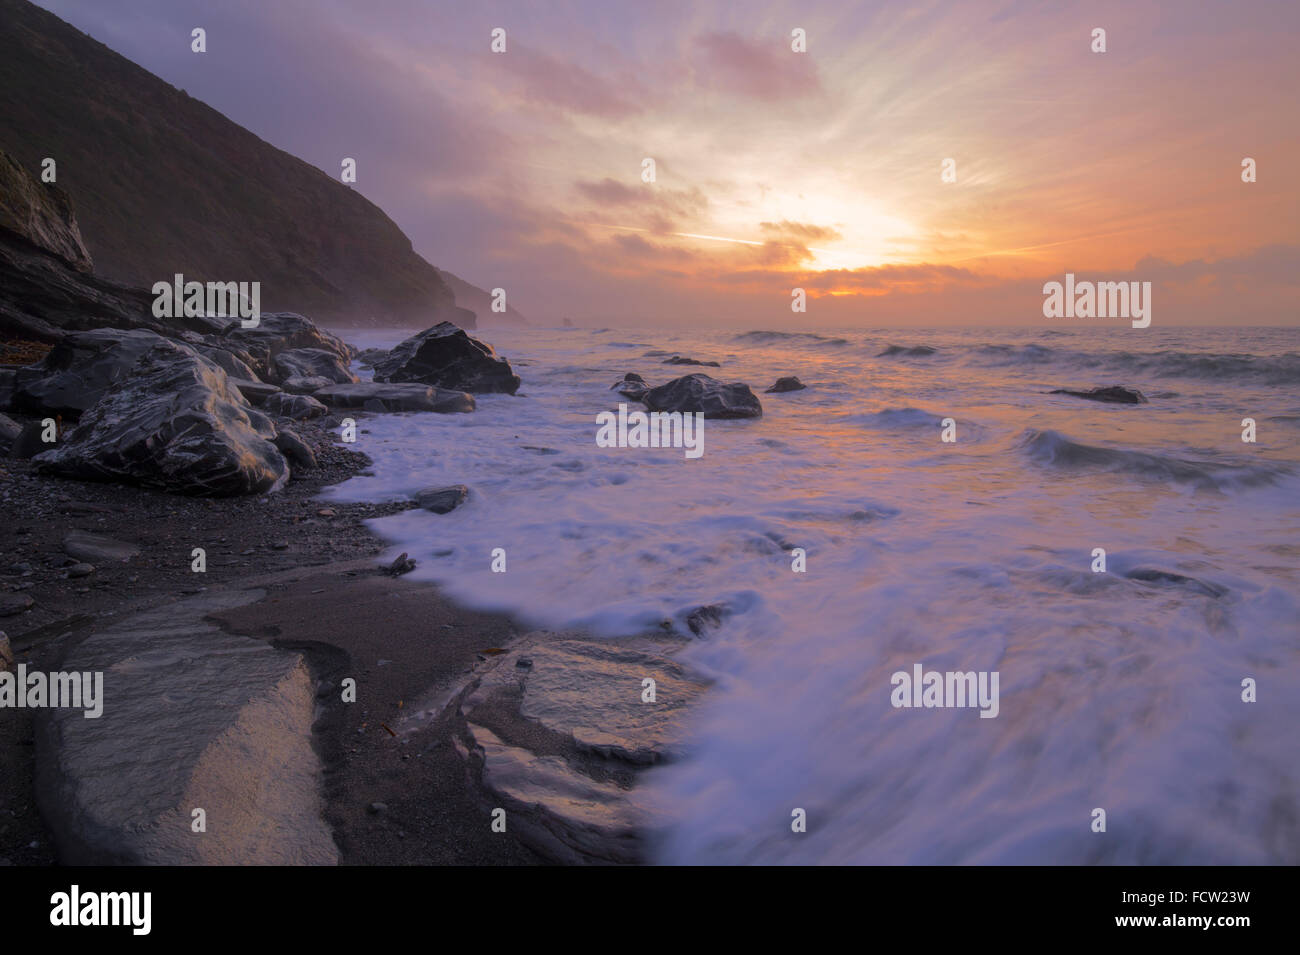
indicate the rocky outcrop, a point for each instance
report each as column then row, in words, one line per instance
column 280, row 333
column 380, row 398
column 1115, row 394
column 217, row 204
column 41, row 213
column 192, row 718
column 446, row 357
column 174, row 422
column 699, row 392
column 790, row 383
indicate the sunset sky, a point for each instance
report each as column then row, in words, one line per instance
column 776, row 169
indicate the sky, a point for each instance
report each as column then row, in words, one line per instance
column 776, row 169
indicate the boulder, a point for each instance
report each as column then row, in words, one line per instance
column 227, row 361
column 790, row 383
column 446, row 357
column 10, row 430
column 1115, row 394
column 80, row 370
column 395, row 397
column 313, row 363
column 278, row 332
column 441, row 500
column 295, row 407
column 699, row 392
column 368, row 357
column 175, row 423
column 297, row 451
column 632, row 386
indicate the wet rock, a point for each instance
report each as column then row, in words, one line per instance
column 295, row 407
column 1115, row 394
column 679, row 360
column 88, row 548
column 396, row 397
column 313, row 363
column 278, row 332
column 790, row 383
column 702, row 620
column 632, row 386
column 193, row 716
column 441, row 500
column 13, row 604
column 177, row 424
column 402, row 564
column 446, row 357
column 699, row 392
column 913, row 351
column 1152, row 575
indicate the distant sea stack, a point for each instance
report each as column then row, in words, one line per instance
column 163, row 184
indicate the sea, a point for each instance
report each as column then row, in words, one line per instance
column 1163, row 689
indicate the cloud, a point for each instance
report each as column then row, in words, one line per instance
column 545, row 79
column 769, row 72
column 800, row 230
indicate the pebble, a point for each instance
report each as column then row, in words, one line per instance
column 81, row 570
column 376, row 807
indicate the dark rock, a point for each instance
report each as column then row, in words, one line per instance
column 907, row 350
column 313, row 363
column 30, row 442
column 6, row 652
column 395, row 397
column 81, row 570
column 80, row 369
column 41, row 213
column 1115, row 394
column 376, row 807
column 790, row 383
column 298, row 453
column 295, row 407
column 401, row 565
column 1152, row 575
column 227, row 361
column 446, row 357
column 701, row 620
column 174, row 423
column 87, row 547
column 699, row 392
column 278, row 332
column 13, row 604
column 440, row 500
column 368, row 357
column 10, row 430
column 255, row 391
column 298, row 385
column 679, row 360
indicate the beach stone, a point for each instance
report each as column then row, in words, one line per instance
column 441, row 500
column 1114, row 394
column 446, row 357
column 14, row 604
column 701, row 620
column 295, row 407
column 298, row 453
column 177, row 424
column 192, row 717
column 699, row 392
column 790, row 383
column 87, row 547
column 313, row 363
column 396, row 397
column 81, row 570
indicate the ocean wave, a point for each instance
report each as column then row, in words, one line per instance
column 1053, row 449
column 1264, row 369
column 910, row 351
column 768, row 338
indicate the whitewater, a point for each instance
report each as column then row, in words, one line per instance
column 1119, row 690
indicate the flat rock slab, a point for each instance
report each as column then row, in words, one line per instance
column 96, row 548
column 562, row 732
column 192, row 718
